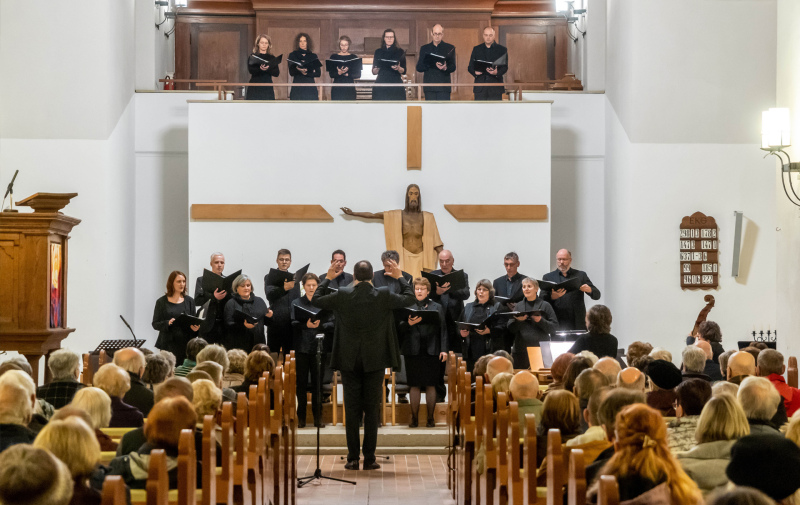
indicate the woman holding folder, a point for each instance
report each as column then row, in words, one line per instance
column 304, row 66
column 529, row 329
column 389, row 64
column 172, row 334
column 344, row 74
column 479, row 341
column 244, row 316
column 263, row 66
column 423, row 344
column 305, row 327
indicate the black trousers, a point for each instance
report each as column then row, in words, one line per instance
column 487, row 95
column 305, row 363
column 362, row 398
column 437, row 95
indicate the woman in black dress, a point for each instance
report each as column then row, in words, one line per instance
column 174, row 337
column 528, row 331
column 479, row 342
column 243, row 334
column 343, row 74
column 598, row 340
column 423, row 346
column 305, row 348
column 262, row 69
column 304, row 74
column 388, row 72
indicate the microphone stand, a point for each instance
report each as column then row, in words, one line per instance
column 10, row 191
column 317, row 407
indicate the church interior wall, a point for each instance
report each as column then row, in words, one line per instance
column 155, row 53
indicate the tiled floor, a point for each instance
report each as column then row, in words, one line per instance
column 421, row 480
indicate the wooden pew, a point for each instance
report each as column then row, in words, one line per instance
column 113, row 491
column 224, row 483
column 209, row 460
column 243, row 489
column 466, row 448
column 501, row 489
column 276, row 433
column 452, row 419
column 529, row 472
column 555, row 468
column 516, row 482
column 791, row 372
column 479, row 424
column 488, row 479
column 609, row 491
column 255, row 446
column 157, row 487
column 576, row 481
column 265, row 406
column 187, row 469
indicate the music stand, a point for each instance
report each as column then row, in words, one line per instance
column 111, row 346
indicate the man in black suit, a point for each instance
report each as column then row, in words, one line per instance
column 489, row 51
column 364, row 344
column 569, row 305
column 510, row 284
column 385, row 278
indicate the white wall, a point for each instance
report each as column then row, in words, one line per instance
column 595, row 41
column 357, row 159
column 155, row 53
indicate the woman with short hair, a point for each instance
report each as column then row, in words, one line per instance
column 115, row 381
column 561, row 411
column 174, row 337
column 691, row 397
column 243, row 307
column 235, row 374
column 530, row 329
column 478, row 342
column 262, row 67
column 256, row 364
column 97, row 404
column 599, row 339
column 304, row 66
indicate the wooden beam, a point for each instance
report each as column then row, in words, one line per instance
column 498, row 212
column 273, row 212
column 414, row 125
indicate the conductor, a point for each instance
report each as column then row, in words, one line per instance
column 364, row 344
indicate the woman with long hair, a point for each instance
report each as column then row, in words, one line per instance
column 263, row 67
column 176, row 301
column 304, row 67
column 389, row 64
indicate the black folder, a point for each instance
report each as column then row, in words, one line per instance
column 258, row 60
column 277, row 277
column 431, row 59
column 570, row 284
column 428, row 316
column 240, row 316
column 352, row 64
column 456, row 279
column 212, row 281
column 482, row 325
column 304, row 314
column 482, row 65
column 385, row 64
column 529, row 313
column 502, row 299
column 186, row 320
column 310, row 65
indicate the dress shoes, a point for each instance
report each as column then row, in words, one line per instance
column 414, row 423
column 351, row 465
column 431, row 423
column 301, row 423
column 371, row 465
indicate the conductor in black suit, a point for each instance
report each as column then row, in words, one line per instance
column 364, row 344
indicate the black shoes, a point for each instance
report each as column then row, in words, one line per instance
column 414, row 422
column 430, row 423
column 402, row 398
column 352, row 465
column 301, row 423
column 371, row 465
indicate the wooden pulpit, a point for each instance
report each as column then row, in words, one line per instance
column 33, row 277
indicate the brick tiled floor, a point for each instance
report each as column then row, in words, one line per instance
column 421, row 480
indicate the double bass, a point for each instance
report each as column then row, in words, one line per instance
column 703, row 315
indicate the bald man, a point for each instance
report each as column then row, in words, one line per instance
column 712, row 367
column 139, row 395
column 608, row 367
column 495, row 366
column 741, row 365
column 436, row 61
column 524, row 389
column 631, row 378
column 489, row 51
column 569, row 304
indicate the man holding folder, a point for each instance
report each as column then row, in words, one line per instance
column 488, row 63
column 437, row 60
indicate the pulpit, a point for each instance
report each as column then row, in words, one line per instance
column 33, row 277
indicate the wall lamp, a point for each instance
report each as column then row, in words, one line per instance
column 775, row 136
column 181, row 3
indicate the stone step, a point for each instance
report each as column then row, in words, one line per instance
column 391, row 440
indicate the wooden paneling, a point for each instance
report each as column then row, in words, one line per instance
column 243, row 212
column 530, row 56
column 498, row 212
column 283, row 32
column 211, row 66
column 526, row 60
column 9, row 265
column 414, row 134
column 464, row 34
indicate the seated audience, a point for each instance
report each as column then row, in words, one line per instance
column 562, row 412
column 609, row 367
column 162, row 431
column 217, row 354
column 641, row 363
column 637, row 350
column 256, row 364
column 500, row 384
column 599, row 339
column 740, row 365
column 661, row 353
column 576, row 366
column 97, row 404
column 116, row 382
column 497, row 365
column 590, row 356
column 502, row 353
column 193, row 347
column 524, row 389
column 694, row 363
column 22, row 379
column 207, row 401
column 139, row 395
column 612, row 403
column 709, row 331
column 235, row 374
column 643, row 465
column 156, row 370
column 740, row 496
column 664, row 378
column 692, row 395
column 215, row 370
column 171, row 358
column 31, row 476
column 723, row 387
column 723, row 363
column 767, row 463
column 712, row 367
column 760, row 400
column 15, row 414
column 586, row 384
column 196, row 375
column 631, row 378
column 722, row 422
column 594, row 433
column 65, row 367
column 479, row 370
column 770, row 365
column 557, row 370
column 792, row 429
column 752, row 350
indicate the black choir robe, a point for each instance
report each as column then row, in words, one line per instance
column 389, row 75
column 213, row 330
column 348, row 78
column 279, row 332
column 433, row 74
column 453, row 303
column 476, row 345
column 172, row 337
column 570, row 308
column 262, row 76
column 491, row 53
column 510, row 288
column 303, row 92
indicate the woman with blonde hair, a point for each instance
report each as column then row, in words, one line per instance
column 561, row 411
column 263, row 67
column 115, row 381
column 646, row 470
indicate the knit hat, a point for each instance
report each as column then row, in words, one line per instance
column 664, row 374
column 769, row 463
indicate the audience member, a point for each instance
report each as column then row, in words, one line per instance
column 196, row 375
column 664, row 378
column 595, row 432
column 723, row 363
column 722, row 422
column 753, row 351
column 589, row 355
column 723, row 387
column 193, row 347
column 235, row 374
column 661, row 353
column 770, row 365
column 97, row 404
column 139, row 395
column 172, row 361
column 637, row 350
column 65, row 367
column 586, row 384
column 576, row 366
column 31, row 476
column 740, row 365
column 496, row 365
column 562, row 412
column 500, row 384
column 712, row 367
column 479, row 370
column 22, row 379
column 692, row 395
column 524, row 389
column 216, row 371
column 156, row 370
column 207, row 402
column 609, row 367
column 740, row 496
column 557, row 370
column 116, row 382
column 642, row 362
column 694, row 363
column 501, row 353
column 760, row 400
column 612, row 403
column 768, row 463
column 643, row 465
column 599, row 339
column 15, row 414
column 710, row 332
column 759, row 345
column 256, row 364
column 631, row 378
column 217, row 354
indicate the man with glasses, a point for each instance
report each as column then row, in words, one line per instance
column 437, row 60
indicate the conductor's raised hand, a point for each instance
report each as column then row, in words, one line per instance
column 395, row 272
column 333, row 271
column 414, row 320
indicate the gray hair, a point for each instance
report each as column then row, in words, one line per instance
column 63, row 363
column 694, row 359
column 531, row 280
column 661, row 353
column 157, row 369
column 770, row 361
column 215, row 353
column 390, row 255
column 724, row 387
column 132, row 363
column 112, row 379
column 96, row 403
column 241, row 280
column 759, row 398
column 214, row 255
column 15, row 407
column 723, row 362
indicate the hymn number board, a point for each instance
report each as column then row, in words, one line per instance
column 699, row 247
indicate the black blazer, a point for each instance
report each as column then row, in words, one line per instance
column 365, row 327
column 424, row 339
column 570, row 308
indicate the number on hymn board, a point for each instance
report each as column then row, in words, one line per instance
column 687, row 244
column 709, row 268
column 686, row 256
column 707, row 279
column 687, row 268
column 707, row 233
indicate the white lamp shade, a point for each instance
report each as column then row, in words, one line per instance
column 775, row 128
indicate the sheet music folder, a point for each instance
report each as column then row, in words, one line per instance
column 482, row 65
column 428, row 316
column 212, row 281
column 331, row 66
column 277, row 277
column 456, row 279
column 257, row 60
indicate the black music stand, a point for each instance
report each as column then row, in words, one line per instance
column 111, row 346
